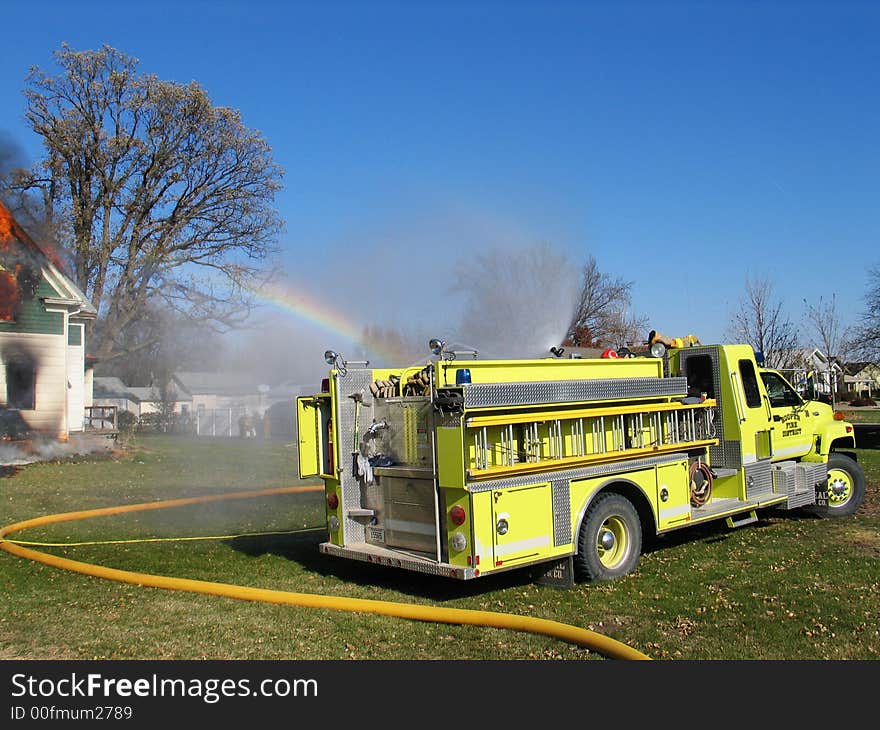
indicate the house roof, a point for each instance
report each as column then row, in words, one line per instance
column 854, row 368
column 230, row 383
column 21, row 252
column 144, row 394
column 111, row 387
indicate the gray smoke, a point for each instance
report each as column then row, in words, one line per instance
column 41, row 448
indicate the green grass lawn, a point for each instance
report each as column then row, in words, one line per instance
column 789, row 587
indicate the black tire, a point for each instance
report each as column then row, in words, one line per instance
column 610, row 539
column 846, row 487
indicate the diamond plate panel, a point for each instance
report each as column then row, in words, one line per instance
column 561, row 512
column 727, row 454
column 759, row 479
column 784, row 478
column 481, row 395
column 808, row 475
column 355, row 382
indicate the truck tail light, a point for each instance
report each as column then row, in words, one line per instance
column 457, row 515
column 838, row 416
column 332, row 500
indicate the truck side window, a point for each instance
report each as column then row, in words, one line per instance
column 750, row 383
column 781, row 393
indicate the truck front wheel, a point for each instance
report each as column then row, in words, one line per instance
column 610, row 539
column 846, row 486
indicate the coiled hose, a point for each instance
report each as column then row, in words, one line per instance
column 701, row 483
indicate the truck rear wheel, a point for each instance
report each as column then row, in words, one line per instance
column 610, row 539
column 846, row 487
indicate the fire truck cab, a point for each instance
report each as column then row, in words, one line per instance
column 467, row 467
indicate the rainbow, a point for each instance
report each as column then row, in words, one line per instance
column 309, row 308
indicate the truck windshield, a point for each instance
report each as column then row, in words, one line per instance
column 781, row 393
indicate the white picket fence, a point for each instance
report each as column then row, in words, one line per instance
column 226, row 423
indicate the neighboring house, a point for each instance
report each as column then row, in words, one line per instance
column 214, row 404
column 862, row 378
column 151, row 400
column 111, row 391
column 826, row 371
column 45, row 375
column 213, row 391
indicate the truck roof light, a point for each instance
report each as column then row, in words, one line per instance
column 436, row 346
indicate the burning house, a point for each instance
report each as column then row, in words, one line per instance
column 45, row 378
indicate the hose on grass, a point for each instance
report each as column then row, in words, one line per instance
column 604, row 645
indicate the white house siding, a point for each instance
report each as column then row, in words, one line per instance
column 49, row 352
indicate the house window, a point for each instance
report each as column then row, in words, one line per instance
column 21, row 385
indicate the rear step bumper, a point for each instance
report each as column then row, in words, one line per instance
column 408, row 560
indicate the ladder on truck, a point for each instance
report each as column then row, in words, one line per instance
column 529, row 442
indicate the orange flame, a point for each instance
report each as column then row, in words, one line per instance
column 13, row 237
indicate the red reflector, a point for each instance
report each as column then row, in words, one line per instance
column 849, row 429
column 838, row 416
column 457, row 515
column 333, row 501
column 476, row 572
column 497, row 563
column 325, row 385
column 469, row 560
column 477, row 559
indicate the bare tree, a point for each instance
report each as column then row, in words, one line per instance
column 159, row 195
column 866, row 334
column 761, row 322
column 829, row 335
column 390, row 346
column 160, row 343
column 602, row 314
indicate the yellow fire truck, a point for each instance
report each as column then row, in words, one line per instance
column 466, row 467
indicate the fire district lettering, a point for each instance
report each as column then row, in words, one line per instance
column 791, row 425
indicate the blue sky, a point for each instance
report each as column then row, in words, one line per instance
column 686, row 145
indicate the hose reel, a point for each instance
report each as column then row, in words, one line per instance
column 701, row 478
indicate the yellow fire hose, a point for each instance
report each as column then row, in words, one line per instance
column 597, row 642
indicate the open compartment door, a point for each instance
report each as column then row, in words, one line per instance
column 308, row 427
